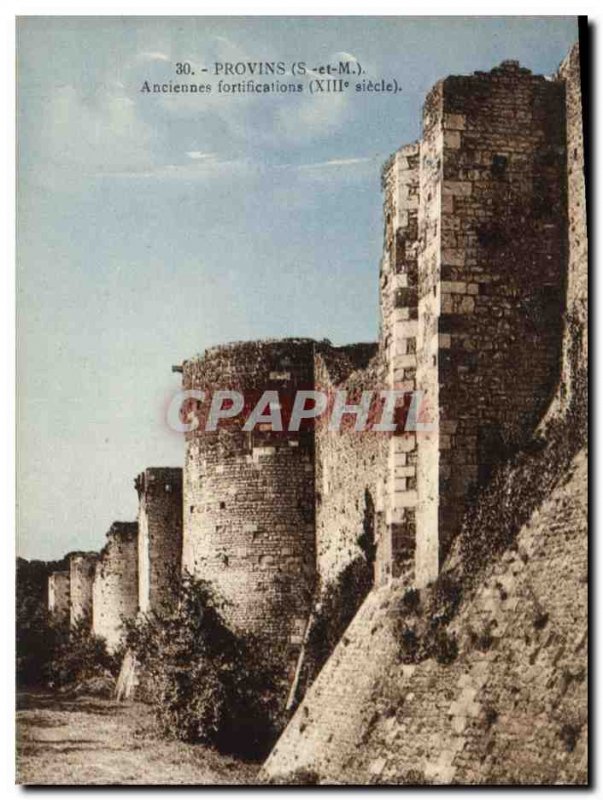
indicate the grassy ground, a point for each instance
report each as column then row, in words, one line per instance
column 95, row 741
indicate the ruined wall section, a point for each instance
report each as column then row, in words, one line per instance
column 249, row 516
column 59, row 597
column 430, row 441
column 575, row 341
column 82, row 568
column 159, row 537
column 115, row 589
column 492, row 261
column 398, row 341
column 399, row 266
column 349, row 471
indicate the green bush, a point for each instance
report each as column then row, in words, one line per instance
column 37, row 638
column 78, row 657
column 37, row 641
column 205, row 683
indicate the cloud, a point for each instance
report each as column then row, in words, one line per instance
column 276, row 119
column 93, row 132
column 196, row 169
column 343, row 56
column 153, row 56
column 316, row 116
column 197, row 155
column 106, row 128
column 313, row 117
column 336, row 162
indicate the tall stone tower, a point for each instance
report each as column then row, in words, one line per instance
column 472, row 293
column 249, row 496
column 115, row 590
column 82, row 567
column 159, row 536
column 59, row 591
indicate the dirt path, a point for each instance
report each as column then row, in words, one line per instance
column 94, row 741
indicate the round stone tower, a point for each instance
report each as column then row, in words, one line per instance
column 82, row 567
column 249, row 495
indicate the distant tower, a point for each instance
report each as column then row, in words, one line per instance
column 82, row 567
column 115, row 590
column 249, row 525
column 59, row 597
column 159, row 536
column 472, row 296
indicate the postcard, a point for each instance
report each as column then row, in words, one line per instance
column 302, row 395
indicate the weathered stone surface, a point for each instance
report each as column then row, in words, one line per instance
column 59, row 596
column 249, row 513
column 82, row 567
column 115, row 589
column 496, row 239
column 159, row 537
column 510, row 707
column 486, row 249
column 575, row 339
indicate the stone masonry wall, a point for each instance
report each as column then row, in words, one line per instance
column 82, row 567
column 249, row 516
column 503, row 272
column 59, row 591
column 497, row 223
column 159, row 537
column 509, row 708
column 349, row 470
column 575, row 344
column 115, row 589
column 472, row 293
column 430, row 442
column 398, row 343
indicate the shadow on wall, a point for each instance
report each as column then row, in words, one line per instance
column 338, row 602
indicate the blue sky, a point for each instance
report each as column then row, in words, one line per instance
column 151, row 227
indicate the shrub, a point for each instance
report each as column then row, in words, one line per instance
column 37, row 638
column 37, row 641
column 570, row 734
column 78, row 657
column 490, row 716
column 205, row 683
column 409, row 644
column 445, row 647
column 299, row 777
column 411, row 601
column 338, row 605
column 540, row 620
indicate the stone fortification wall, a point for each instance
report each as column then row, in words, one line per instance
column 82, row 568
column 575, row 341
column 507, row 706
column 249, row 513
column 59, row 591
column 349, row 468
column 159, row 537
column 472, row 295
column 115, row 589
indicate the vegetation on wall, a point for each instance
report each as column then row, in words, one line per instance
column 36, row 637
column 81, row 662
column 206, row 684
